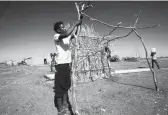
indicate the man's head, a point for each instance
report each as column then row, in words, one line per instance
column 59, row 27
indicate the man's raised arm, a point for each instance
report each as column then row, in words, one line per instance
column 70, row 30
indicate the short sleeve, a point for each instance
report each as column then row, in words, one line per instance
column 56, row 36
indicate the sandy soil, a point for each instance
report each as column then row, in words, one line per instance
column 25, row 91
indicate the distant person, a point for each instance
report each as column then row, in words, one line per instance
column 53, row 62
column 108, row 52
column 154, row 59
column 45, row 61
column 63, row 75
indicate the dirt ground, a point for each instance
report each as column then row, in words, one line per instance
column 25, row 91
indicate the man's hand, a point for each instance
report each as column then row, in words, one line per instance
column 81, row 17
column 78, row 22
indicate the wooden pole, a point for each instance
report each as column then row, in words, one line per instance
column 74, row 65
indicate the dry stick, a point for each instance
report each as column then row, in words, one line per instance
column 75, row 58
column 74, row 98
column 118, row 37
column 110, row 32
column 136, row 21
column 148, row 27
column 74, row 66
column 153, row 73
column 85, row 8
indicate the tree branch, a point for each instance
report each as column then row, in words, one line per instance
column 149, row 27
column 137, row 19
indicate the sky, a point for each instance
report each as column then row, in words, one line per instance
column 26, row 27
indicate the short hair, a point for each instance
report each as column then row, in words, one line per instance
column 57, row 25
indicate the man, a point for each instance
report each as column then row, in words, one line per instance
column 154, row 59
column 62, row 76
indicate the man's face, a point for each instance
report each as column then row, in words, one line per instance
column 62, row 28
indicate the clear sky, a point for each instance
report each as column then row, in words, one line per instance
column 26, row 27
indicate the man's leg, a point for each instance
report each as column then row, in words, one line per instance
column 64, row 82
column 58, row 103
column 157, row 64
column 58, row 99
column 65, row 100
column 66, row 87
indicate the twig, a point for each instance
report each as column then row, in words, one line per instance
column 118, row 37
column 136, row 19
column 149, row 27
column 112, row 30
